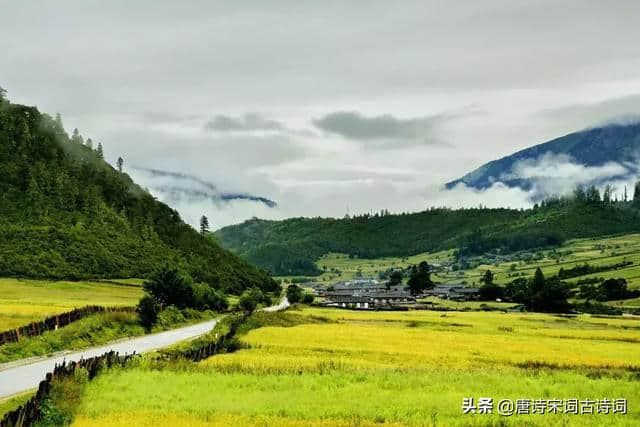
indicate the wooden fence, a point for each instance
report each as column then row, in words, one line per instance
column 224, row 343
column 27, row 414
column 54, row 322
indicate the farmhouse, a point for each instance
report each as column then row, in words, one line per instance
column 454, row 292
column 367, row 295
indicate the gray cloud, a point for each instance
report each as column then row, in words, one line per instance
column 166, row 117
column 353, row 125
column 248, row 122
column 194, row 188
column 622, row 110
column 512, row 59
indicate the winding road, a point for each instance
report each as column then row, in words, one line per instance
column 17, row 379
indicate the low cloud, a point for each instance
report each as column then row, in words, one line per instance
column 176, row 186
column 623, row 110
column 559, row 174
column 249, row 122
column 383, row 128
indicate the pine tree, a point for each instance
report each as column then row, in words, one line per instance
column 606, row 196
column 593, row 195
column 579, row 194
column 59, row 121
column 119, row 163
column 487, row 279
column 204, row 225
column 636, row 195
column 100, row 151
column 90, row 143
column 538, row 280
column 76, row 137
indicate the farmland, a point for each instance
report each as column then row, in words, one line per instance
column 413, row 367
column 600, row 252
column 25, row 301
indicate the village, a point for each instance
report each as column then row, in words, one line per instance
column 373, row 294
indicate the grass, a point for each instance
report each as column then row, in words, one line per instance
column 14, row 402
column 93, row 331
column 25, row 301
column 331, row 367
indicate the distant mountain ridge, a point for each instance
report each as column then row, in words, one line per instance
column 615, row 143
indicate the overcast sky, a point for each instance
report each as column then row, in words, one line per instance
column 320, row 106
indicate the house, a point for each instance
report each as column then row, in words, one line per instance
column 371, row 298
column 454, row 292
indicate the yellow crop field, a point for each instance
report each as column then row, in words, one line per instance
column 392, row 368
column 25, row 301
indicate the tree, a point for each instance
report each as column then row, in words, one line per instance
column 551, row 298
column 420, row 279
column 169, row 286
column 636, row 195
column 294, row 294
column 613, row 289
column 119, row 164
column 491, row 292
column 307, row 298
column 247, row 302
column 538, row 280
column 3, row 95
column 207, row 298
column 579, row 194
column 76, row 137
column 147, row 310
column 100, row 151
column 487, row 278
column 593, row 195
column 606, row 196
column 540, row 294
column 58, row 121
column 394, row 279
column 204, row 225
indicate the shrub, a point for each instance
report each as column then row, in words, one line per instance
column 294, row 294
column 207, row 298
column 169, row 286
column 247, row 302
column 170, row 316
column 147, row 311
column 307, row 298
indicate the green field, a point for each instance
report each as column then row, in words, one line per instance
column 335, row 367
column 25, row 301
column 595, row 252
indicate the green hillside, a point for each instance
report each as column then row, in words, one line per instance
column 67, row 214
column 290, row 247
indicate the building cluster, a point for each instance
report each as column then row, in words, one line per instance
column 453, row 292
column 370, row 294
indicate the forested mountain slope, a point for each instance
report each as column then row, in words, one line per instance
column 66, row 213
column 291, row 246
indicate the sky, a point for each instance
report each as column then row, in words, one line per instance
column 235, row 109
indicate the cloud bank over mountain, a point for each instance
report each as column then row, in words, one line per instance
column 374, row 114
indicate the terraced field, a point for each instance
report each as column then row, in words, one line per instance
column 348, row 368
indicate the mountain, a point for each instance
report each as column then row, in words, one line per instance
column 291, row 246
column 67, row 214
column 594, row 147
